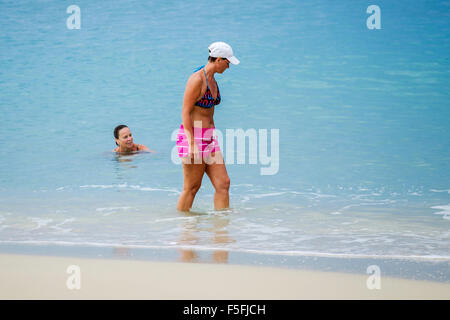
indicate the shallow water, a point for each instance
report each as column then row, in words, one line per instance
column 362, row 117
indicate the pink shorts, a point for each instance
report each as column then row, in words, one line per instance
column 204, row 138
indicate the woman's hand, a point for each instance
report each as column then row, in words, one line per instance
column 194, row 153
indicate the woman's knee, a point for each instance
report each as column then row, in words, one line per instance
column 192, row 188
column 223, row 185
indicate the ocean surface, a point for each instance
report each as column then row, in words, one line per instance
column 362, row 115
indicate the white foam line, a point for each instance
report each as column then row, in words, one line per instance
column 268, row 194
column 317, row 195
column 434, row 190
column 102, row 186
column 40, row 222
column 347, row 255
column 445, row 211
column 124, row 185
column 362, row 204
column 172, row 219
column 113, row 208
column 58, row 228
column 444, row 208
column 154, row 189
column 262, row 252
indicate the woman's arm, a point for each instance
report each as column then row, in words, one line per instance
column 144, row 148
column 191, row 93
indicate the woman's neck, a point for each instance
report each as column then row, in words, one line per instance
column 209, row 69
column 125, row 149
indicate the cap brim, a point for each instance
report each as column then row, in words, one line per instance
column 233, row 60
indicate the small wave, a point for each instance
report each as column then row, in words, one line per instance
column 434, row 190
column 268, row 194
column 132, row 187
column 241, row 250
column 60, row 230
column 154, row 189
column 375, row 203
column 111, row 210
column 41, row 222
column 101, row 186
column 172, row 219
column 445, row 211
column 315, row 195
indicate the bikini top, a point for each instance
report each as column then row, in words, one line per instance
column 208, row 101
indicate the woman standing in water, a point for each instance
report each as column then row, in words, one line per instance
column 197, row 144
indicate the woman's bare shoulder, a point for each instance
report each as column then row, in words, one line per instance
column 193, row 87
column 195, row 79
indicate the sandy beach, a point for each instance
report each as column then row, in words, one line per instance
column 46, row 277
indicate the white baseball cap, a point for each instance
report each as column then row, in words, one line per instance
column 222, row 50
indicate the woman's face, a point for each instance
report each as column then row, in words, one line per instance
column 125, row 138
column 223, row 63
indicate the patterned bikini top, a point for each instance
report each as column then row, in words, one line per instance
column 208, row 101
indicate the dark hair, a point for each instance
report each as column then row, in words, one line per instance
column 117, row 129
column 212, row 59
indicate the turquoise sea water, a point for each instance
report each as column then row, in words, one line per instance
column 364, row 141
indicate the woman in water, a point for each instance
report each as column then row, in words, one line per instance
column 197, row 144
column 124, row 141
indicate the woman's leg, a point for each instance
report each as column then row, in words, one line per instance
column 193, row 175
column 218, row 175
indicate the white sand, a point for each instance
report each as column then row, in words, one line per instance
column 42, row 277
